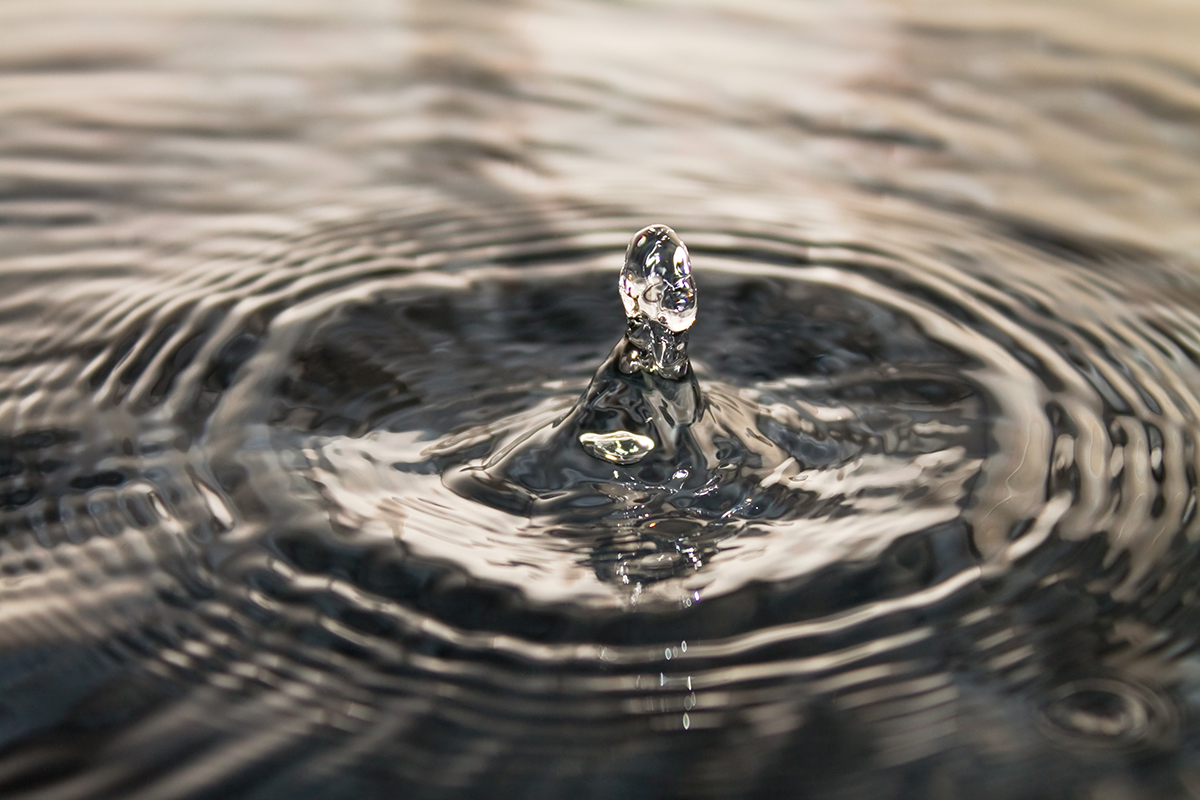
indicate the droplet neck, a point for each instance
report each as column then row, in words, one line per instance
column 637, row 404
column 655, row 348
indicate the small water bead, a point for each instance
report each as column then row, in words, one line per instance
column 659, row 295
column 656, row 281
column 619, row 447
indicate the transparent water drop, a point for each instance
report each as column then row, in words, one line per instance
column 659, row 295
column 647, row 383
column 656, row 281
column 619, row 447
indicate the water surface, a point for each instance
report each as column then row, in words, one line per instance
column 274, row 273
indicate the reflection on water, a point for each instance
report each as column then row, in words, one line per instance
column 290, row 289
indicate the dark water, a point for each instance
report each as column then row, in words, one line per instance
column 279, row 280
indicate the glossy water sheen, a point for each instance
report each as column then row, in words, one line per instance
column 292, row 295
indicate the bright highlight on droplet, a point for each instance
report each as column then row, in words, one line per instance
column 619, row 447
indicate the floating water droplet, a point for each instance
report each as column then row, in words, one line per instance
column 656, row 281
column 619, row 447
column 659, row 296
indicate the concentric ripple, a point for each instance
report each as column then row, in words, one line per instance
column 977, row 485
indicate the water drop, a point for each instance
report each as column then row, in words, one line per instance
column 620, row 447
column 656, row 281
column 653, row 472
column 659, row 296
column 651, row 389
